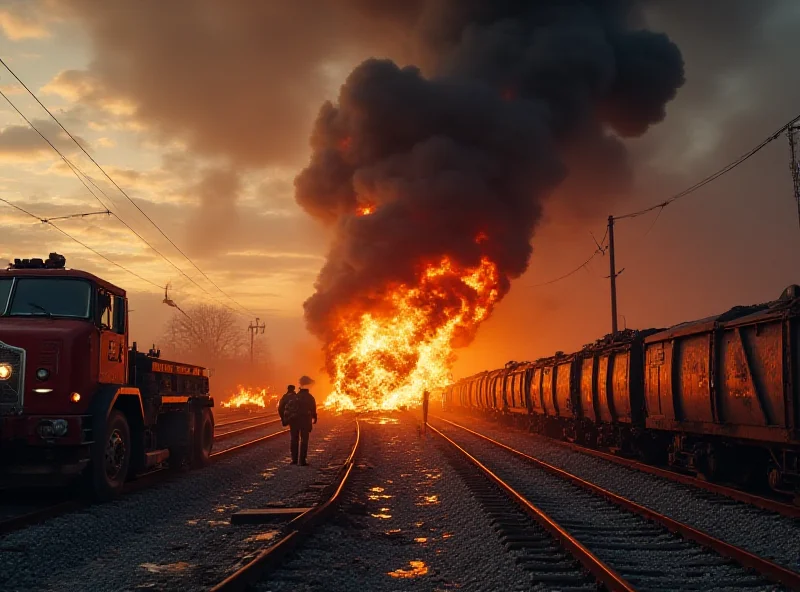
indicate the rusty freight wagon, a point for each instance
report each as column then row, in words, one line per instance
column 725, row 390
column 719, row 396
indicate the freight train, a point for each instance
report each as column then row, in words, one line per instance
column 718, row 396
column 75, row 401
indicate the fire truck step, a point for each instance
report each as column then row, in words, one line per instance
column 155, row 457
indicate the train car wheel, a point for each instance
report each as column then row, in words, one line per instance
column 112, row 457
column 203, row 438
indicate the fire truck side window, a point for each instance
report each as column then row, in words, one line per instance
column 5, row 292
column 105, row 309
column 119, row 316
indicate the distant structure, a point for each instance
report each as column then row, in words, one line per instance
column 793, row 131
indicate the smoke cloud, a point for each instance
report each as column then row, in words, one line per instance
column 515, row 98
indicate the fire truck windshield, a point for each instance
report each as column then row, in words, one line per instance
column 57, row 297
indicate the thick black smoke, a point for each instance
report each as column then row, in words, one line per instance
column 517, row 96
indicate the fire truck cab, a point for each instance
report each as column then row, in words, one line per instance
column 75, row 400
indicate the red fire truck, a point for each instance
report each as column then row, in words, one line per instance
column 74, row 399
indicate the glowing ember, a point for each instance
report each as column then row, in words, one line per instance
column 387, row 357
column 246, row 396
column 416, row 569
column 365, row 210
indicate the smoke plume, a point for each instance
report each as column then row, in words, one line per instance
column 516, row 97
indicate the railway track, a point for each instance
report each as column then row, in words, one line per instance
column 294, row 532
column 235, row 432
column 148, row 479
column 246, row 419
column 623, row 545
column 772, row 504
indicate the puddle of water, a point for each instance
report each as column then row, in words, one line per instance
column 428, row 500
column 381, row 516
column 393, row 531
column 417, row 569
column 433, row 475
column 447, row 535
column 377, row 489
column 192, row 522
column 218, row 523
column 388, row 420
column 165, row 568
column 421, row 540
column 418, row 524
column 262, row 536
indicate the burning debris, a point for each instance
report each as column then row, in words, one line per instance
column 247, row 397
column 434, row 183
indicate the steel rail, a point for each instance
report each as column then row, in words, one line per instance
column 144, row 480
column 759, row 501
column 252, row 418
column 298, row 530
column 594, row 565
column 225, row 435
column 768, row 569
column 765, row 503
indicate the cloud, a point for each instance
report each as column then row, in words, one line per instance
column 22, row 20
column 242, row 79
column 19, row 143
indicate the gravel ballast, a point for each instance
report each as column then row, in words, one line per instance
column 763, row 533
column 174, row 535
column 645, row 554
column 407, row 522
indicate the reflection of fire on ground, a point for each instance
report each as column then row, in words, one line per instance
column 250, row 397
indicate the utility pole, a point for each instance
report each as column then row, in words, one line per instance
column 613, row 275
column 254, row 328
column 793, row 132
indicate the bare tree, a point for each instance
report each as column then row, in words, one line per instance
column 214, row 337
column 206, row 335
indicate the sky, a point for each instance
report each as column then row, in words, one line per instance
column 202, row 113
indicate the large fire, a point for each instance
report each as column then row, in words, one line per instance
column 386, row 358
column 247, row 396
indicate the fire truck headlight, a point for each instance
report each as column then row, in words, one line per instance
column 43, row 374
column 5, row 371
column 60, row 427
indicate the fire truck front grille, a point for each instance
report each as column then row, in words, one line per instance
column 12, row 390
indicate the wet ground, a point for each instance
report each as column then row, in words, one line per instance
column 407, row 523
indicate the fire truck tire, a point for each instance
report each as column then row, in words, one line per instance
column 112, row 458
column 203, row 438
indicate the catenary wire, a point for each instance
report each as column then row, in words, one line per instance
column 83, row 177
column 120, row 189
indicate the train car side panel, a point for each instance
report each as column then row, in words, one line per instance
column 564, row 390
column 548, row 391
column 588, row 388
column 621, row 387
column 752, row 369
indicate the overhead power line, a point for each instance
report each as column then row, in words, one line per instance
column 713, row 177
column 600, row 250
column 81, row 243
column 121, row 190
column 83, row 178
column 663, row 204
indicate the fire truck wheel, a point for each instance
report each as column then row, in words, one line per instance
column 203, row 438
column 112, row 457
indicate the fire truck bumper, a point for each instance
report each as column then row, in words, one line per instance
column 42, row 449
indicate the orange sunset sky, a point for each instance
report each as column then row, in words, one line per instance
column 201, row 112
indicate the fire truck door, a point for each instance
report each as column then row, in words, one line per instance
column 113, row 347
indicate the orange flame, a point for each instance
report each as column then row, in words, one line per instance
column 387, row 357
column 365, row 210
column 247, row 396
